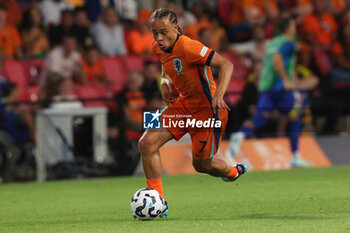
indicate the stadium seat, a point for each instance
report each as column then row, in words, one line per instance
column 152, row 57
column 234, row 91
column 225, row 11
column 114, row 70
column 240, row 70
column 15, row 71
column 33, row 68
column 91, row 91
column 32, row 94
column 110, row 92
column 132, row 62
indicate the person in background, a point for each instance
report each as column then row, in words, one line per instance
column 250, row 95
column 152, row 4
column 55, row 90
column 337, row 7
column 126, row 9
column 202, row 22
column 92, row 66
column 131, row 101
column 319, row 30
column 140, row 40
column 35, row 42
column 94, row 8
column 127, row 123
column 65, row 60
column 256, row 47
column 81, row 28
column 16, row 121
column 10, row 40
column 49, row 89
column 246, row 13
column 81, row 18
column 346, row 17
column 51, row 11
column 56, row 33
column 276, row 88
column 205, row 37
column 219, row 39
column 343, row 47
column 299, row 8
column 76, row 3
column 185, row 17
column 108, row 34
column 14, row 12
column 300, row 115
column 150, row 87
column 319, row 26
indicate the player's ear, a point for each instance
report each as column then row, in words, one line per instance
column 176, row 27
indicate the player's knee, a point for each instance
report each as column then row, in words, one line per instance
column 147, row 144
column 201, row 166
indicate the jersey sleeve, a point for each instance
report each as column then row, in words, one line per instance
column 197, row 53
column 287, row 50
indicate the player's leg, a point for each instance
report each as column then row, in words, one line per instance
column 149, row 145
column 205, row 144
column 294, row 131
column 219, row 168
column 263, row 112
column 289, row 106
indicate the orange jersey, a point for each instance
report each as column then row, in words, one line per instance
column 322, row 29
column 187, row 64
column 188, row 67
column 9, row 40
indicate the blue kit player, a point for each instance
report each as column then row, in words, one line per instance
column 276, row 87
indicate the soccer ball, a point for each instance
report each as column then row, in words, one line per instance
column 146, row 204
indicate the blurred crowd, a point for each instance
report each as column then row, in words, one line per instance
column 73, row 49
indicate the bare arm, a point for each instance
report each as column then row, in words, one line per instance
column 225, row 68
column 167, row 95
column 277, row 62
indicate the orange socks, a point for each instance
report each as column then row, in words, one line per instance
column 233, row 173
column 156, row 184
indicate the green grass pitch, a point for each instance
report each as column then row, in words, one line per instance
column 297, row 200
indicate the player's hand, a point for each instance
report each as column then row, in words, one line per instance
column 167, row 95
column 289, row 85
column 219, row 103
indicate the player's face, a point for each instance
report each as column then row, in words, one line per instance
column 164, row 32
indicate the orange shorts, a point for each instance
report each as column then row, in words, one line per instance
column 205, row 127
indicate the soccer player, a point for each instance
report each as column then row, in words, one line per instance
column 185, row 63
column 276, row 87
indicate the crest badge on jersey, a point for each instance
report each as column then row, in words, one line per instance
column 178, row 66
